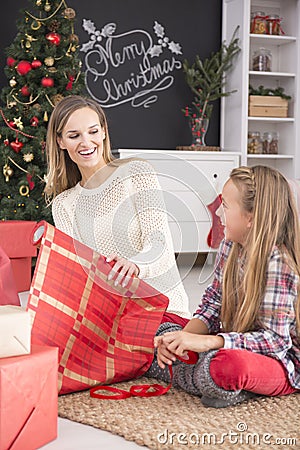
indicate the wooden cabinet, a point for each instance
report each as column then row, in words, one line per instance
column 190, row 181
column 236, row 122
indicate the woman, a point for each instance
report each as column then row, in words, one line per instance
column 114, row 206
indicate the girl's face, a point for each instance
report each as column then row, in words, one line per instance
column 236, row 220
column 82, row 137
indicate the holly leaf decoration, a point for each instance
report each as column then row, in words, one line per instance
column 87, row 46
column 156, row 50
column 89, row 26
column 159, row 30
column 175, row 48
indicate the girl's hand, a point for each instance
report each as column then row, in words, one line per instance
column 122, row 270
column 179, row 342
column 164, row 356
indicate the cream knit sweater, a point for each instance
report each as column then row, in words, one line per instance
column 126, row 215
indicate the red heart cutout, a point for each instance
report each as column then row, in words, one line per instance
column 16, row 146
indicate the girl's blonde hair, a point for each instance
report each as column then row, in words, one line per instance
column 266, row 194
column 63, row 173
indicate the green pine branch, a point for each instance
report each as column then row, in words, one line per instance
column 206, row 78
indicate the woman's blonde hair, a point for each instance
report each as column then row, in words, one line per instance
column 266, row 194
column 63, row 173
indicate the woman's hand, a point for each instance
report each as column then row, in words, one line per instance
column 122, row 270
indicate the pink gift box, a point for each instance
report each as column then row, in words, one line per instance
column 15, row 240
column 29, row 399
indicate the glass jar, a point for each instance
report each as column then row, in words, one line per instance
column 254, row 142
column 258, row 23
column 273, row 24
column 270, row 142
column 262, row 60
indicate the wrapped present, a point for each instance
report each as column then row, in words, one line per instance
column 15, row 241
column 15, row 331
column 28, row 399
column 8, row 290
column 104, row 332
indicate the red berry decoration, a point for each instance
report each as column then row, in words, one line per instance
column 10, row 61
column 6, row 142
column 53, row 38
column 36, row 63
column 47, row 82
column 23, row 67
column 16, row 145
column 25, row 91
column 34, row 121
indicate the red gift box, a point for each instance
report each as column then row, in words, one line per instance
column 15, row 240
column 28, row 399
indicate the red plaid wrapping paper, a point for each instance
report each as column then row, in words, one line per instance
column 104, row 333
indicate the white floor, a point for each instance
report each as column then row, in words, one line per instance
column 74, row 436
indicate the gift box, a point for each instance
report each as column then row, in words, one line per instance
column 8, row 290
column 15, row 240
column 15, row 331
column 28, row 399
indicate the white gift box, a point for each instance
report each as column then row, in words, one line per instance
column 15, row 331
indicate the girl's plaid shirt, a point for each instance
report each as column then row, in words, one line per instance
column 277, row 336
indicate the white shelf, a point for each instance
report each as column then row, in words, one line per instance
column 272, row 119
column 265, row 156
column 258, row 73
column 264, row 39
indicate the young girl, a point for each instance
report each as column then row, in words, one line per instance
column 114, row 206
column 247, row 327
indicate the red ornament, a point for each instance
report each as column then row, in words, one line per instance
column 6, row 142
column 53, row 38
column 34, row 121
column 23, row 67
column 25, row 91
column 47, row 82
column 30, row 182
column 16, row 145
column 69, row 86
column 36, row 64
column 12, row 124
column 10, row 61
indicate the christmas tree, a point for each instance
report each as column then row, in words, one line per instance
column 43, row 66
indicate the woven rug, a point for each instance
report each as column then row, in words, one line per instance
column 178, row 420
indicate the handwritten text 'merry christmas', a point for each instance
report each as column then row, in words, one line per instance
column 128, row 67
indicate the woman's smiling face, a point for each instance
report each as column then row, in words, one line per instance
column 82, row 137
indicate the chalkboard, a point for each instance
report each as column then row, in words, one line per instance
column 132, row 53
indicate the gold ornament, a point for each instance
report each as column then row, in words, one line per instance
column 18, row 122
column 45, row 116
column 73, row 38
column 69, row 13
column 28, row 157
column 38, row 2
column 52, row 69
column 11, row 104
column 29, row 40
column 37, row 107
column 36, row 24
column 56, row 98
column 7, row 172
column 12, row 82
column 24, row 190
column 49, row 61
column 47, row 7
